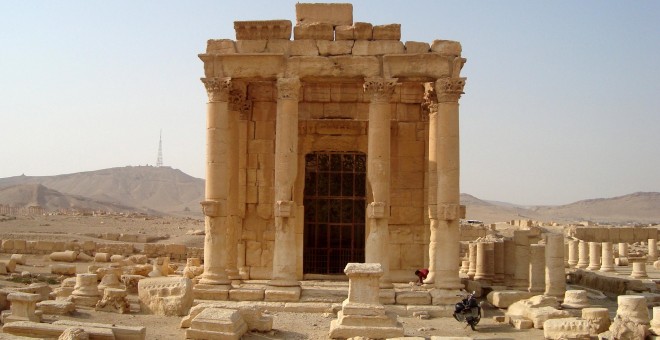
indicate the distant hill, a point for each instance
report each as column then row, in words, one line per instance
column 164, row 189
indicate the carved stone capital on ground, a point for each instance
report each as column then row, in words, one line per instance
column 449, row 212
column 376, row 210
column 380, row 90
column 449, row 90
column 214, row 208
column 284, row 209
column 218, row 89
column 288, row 88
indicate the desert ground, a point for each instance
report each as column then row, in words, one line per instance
column 179, row 230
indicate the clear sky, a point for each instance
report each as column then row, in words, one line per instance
column 562, row 100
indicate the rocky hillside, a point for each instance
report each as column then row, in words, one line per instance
column 166, row 190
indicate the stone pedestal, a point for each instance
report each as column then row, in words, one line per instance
column 472, row 255
column 653, row 251
column 22, row 308
column 638, row 267
column 575, row 299
column 583, row 255
column 594, row 256
column 607, row 257
column 86, row 291
column 573, row 252
column 632, row 318
column 521, row 274
column 537, row 268
column 362, row 314
column 555, row 273
column 598, row 318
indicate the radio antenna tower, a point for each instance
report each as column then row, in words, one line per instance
column 159, row 161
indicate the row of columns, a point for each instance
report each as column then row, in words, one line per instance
column 600, row 256
column 222, row 215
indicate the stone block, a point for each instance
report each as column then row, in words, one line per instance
column 378, row 47
column 387, row 32
column 282, row 294
column 305, row 47
column 246, row 294
column 567, row 328
column 52, row 331
column 20, row 245
column 175, row 249
column 413, row 298
column 415, row 65
column 326, row 48
column 446, row 47
column 120, row 332
column 504, row 299
column 170, row 296
column 519, row 322
column 315, row 30
column 220, row 46
column 217, row 323
column 262, row 29
column 363, row 31
column 63, row 269
column 251, row 46
column 344, row 32
column 417, row 47
column 335, row 14
column 56, row 307
column 345, row 66
column 278, row 46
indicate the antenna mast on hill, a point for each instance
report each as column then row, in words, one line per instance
column 159, row 161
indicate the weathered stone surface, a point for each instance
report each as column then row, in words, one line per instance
column 598, row 318
column 316, row 30
column 567, row 328
column 362, row 31
column 505, row 298
column 114, row 300
column 575, row 299
column 169, row 296
column 413, row 298
column 64, row 256
column 19, row 258
column 305, row 47
column 446, row 47
column 326, row 48
column 415, row 65
column 344, row 32
column 120, row 332
column 262, row 29
column 347, row 66
column 378, row 47
column 74, row 333
column 387, row 32
column 538, row 309
column 217, row 323
column 233, row 65
column 220, row 46
column 57, row 307
column 334, row 14
column 45, row 330
column 417, row 47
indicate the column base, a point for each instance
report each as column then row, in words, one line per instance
column 282, row 294
column 214, row 280
column 441, row 297
column 211, row 292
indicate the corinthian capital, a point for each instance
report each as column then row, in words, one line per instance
column 217, row 88
column 288, row 88
column 430, row 100
column 449, row 89
column 379, row 89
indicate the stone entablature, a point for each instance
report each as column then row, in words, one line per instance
column 613, row 234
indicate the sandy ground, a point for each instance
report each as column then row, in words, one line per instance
column 286, row 325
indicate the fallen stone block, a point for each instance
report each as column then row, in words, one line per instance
column 505, row 298
column 119, row 332
column 63, row 269
column 64, row 256
column 171, row 296
column 45, row 330
column 19, row 258
column 217, row 323
column 56, row 307
column 568, row 328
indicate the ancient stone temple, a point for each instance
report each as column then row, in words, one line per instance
column 339, row 145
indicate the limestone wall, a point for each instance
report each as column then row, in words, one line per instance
column 613, row 234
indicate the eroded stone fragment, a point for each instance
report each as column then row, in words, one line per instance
column 170, row 296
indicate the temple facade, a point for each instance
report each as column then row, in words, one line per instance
column 339, row 145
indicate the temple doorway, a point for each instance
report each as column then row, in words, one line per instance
column 334, row 200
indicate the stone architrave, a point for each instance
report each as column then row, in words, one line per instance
column 594, row 256
column 509, row 261
column 169, row 296
column 362, row 314
column 448, row 91
column 536, row 268
column 430, row 106
column 555, row 272
column 286, row 170
column 472, row 256
column 22, row 308
column 521, row 274
column 583, row 255
column 218, row 182
column 377, row 246
column 632, row 318
column 86, row 291
column 653, row 250
column 573, row 253
column 607, row 257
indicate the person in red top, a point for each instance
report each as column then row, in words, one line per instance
column 421, row 274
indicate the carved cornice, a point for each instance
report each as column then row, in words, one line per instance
column 217, row 88
column 379, row 89
column 430, row 101
column 288, row 88
column 457, row 66
column 449, row 89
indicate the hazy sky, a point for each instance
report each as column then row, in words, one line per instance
column 562, row 100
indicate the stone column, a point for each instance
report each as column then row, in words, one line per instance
column 237, row 101
column 449, row 91
column 490, row 261
column 286, row 170
column 594, row 256
column 536, row 268
column 377, row 246
column 521, row 274
column 555, row 272
column 573, row 253
column 509, row 261
column 472, row 257
column 218, row 173
column 583, row 255
column 430, row 106
column 607, row 257
column 499, row 262
column 653, row 250
column 623, row 249
column 480, row 273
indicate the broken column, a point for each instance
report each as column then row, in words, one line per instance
column 632, row 318
column 594, row 256
column 472, row 256
column 537, row 268
column 607, row 258
column 638, row 267
column 583, row 255
column 573, row 252
column 86, row 292
column 362, row 314
column 379, row 91
column 555, row 274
